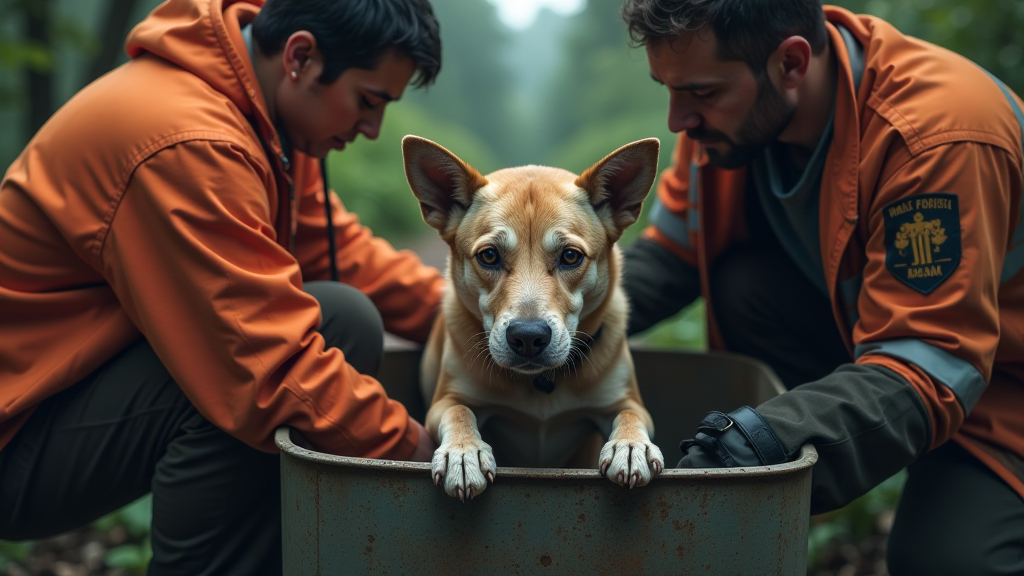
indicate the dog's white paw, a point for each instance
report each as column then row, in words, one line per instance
column 465, row 468
column 630, row 462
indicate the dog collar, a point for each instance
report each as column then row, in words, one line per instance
column 545, row 381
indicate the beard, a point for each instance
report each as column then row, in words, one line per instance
column 766, row 120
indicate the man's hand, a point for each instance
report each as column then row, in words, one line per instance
column 740, row 438
column 426, row 445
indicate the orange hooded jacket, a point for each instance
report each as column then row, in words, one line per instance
column 157, row 202
column 924, row 120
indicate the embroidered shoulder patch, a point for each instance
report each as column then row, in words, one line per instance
column 922, row 239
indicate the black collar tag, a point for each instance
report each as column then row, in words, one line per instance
column 544, row 382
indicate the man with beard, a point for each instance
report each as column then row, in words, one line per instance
column 848, row 201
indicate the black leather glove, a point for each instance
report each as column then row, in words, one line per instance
column 740, row 438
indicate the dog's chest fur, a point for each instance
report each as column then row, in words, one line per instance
column 521, row 440
column 527, row 427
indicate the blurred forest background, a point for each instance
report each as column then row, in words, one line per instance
column 564, row 91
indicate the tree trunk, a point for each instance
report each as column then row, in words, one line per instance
column 115, row 28
column 40, row 82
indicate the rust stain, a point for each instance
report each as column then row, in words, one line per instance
column 663, row 504
column 371, row 538
column 369, row 549
column 680, row 551
column 581, row 518
column 545, row 561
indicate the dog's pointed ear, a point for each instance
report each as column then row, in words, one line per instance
column 619, row 183
column 441, row 181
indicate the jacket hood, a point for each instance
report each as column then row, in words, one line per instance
column 205, row 38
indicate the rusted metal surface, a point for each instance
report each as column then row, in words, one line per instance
column 359, row 516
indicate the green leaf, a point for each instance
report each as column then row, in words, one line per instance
column 129, row 556
column 138, row 516
column 17, row 551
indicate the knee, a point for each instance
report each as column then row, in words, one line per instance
column 343, row 301
column 350, row 322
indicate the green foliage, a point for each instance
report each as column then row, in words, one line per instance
column 989, row 32
column 13, row 551
column 135, row 517
column 132, row 558
column 856, row 521
column 687, row 330
column 369, row 176
column 18, row 55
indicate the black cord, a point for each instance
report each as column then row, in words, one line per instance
column 330, row 220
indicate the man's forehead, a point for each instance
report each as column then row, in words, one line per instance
column 689, row 62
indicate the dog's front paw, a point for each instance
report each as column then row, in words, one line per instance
column 631, row 462
column 465, row 467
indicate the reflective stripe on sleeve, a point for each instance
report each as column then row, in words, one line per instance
column 671, row 225
column 955, row 373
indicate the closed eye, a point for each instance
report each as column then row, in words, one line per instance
column 705, row 94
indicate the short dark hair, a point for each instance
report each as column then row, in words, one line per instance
column 747, row 30
column 355, row 33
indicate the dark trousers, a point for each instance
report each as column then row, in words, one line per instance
column 127, row 429
column 955, row 516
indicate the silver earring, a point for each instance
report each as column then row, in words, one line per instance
column 295, row 75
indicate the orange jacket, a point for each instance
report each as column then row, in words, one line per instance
column 924, row 121
column 149, row 205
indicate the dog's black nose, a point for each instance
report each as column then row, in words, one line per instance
column 528, row 338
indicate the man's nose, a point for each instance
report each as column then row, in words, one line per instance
column 370, row 125
column 682, row 117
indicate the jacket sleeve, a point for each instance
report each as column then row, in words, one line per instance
column 192, row 257
column 658, row 283
column 407, row 292
column 922, row 359
column 673, row 220
column 660, row 269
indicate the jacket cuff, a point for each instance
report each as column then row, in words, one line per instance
column 759, row 435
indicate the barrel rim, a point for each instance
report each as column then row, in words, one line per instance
column 282, row 437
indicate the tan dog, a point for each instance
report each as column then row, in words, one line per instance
column 530, row 348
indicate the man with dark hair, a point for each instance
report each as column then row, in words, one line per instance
column 848, row 201
column 166, row 246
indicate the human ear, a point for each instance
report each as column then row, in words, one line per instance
column 300, row 51
column 791, row 61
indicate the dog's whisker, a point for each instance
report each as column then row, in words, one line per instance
column 485, row 334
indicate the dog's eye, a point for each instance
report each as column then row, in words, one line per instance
column 489, row 257
column 572, row 258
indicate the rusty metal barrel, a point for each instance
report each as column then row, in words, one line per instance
column 360, row 516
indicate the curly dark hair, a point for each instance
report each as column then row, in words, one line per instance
column 355, row 33
column 747, row 30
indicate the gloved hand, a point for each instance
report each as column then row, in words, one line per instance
column 740, row 438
